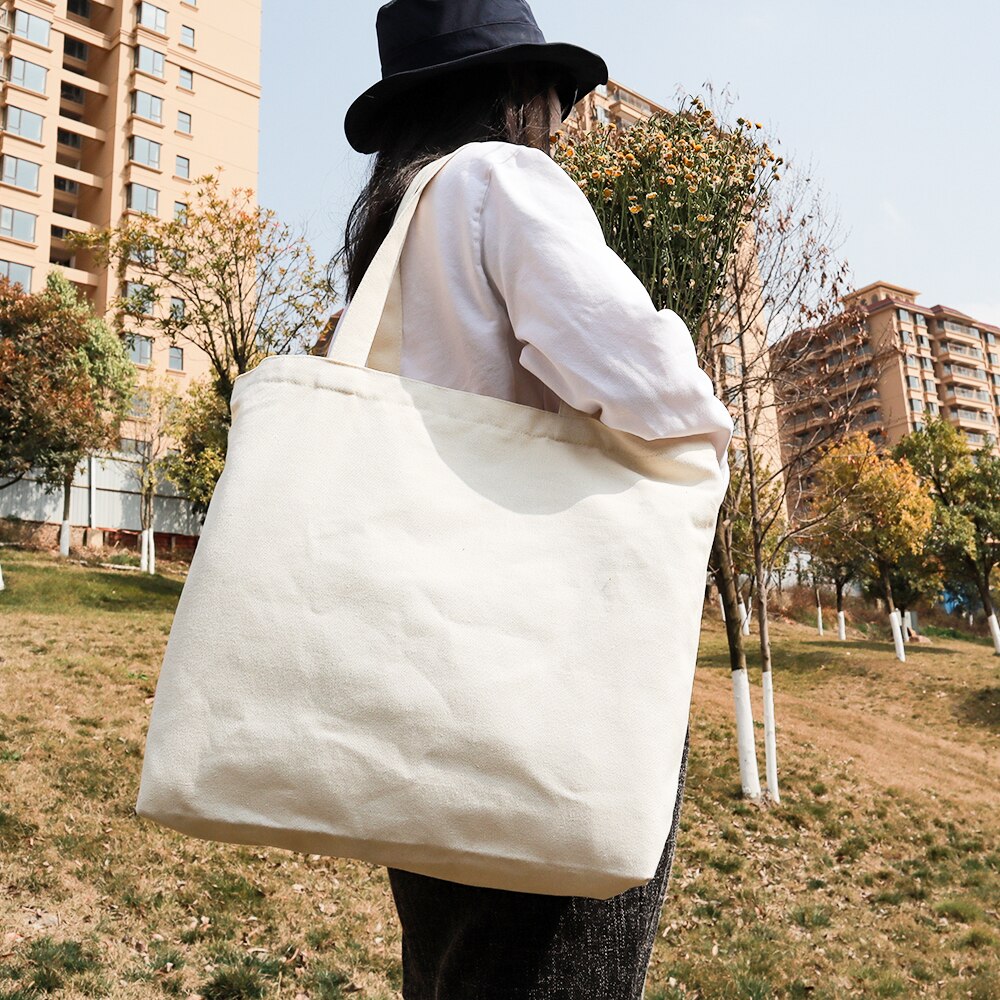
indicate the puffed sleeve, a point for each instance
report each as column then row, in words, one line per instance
column 588, row 327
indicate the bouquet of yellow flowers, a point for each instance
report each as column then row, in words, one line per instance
column 675, row 195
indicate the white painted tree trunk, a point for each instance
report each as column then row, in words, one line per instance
column 722, row 607
column 907, row 624
column 770, row 738
column 992, row 620
column 841, row 626
column 897, row 636
column 819, row 619
column 2, row 584
column 151, row 552
column 143, row 551
column 64, row 536
column 746, row 748
column 744, row 619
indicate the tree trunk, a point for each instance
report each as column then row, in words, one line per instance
column 726, row 584
column 3, row 586
column 895, row 623
column 819, row 612
column 760, row 581
column 841, row 617
column 64, row 528
column 983, row 585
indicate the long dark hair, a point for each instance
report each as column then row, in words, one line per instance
column 505, row 103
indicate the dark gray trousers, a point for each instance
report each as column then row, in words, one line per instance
column 466, row 943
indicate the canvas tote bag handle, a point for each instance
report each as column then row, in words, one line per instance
column 379, row 287
column 371, row 333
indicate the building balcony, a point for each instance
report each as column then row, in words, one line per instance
column 81, row 128
column 77, row 177
column 964, row 373
column 973, row 418
column 966, row 393
column 78, row 277
column 959, row 352
column 84, row 82
column 951, row 328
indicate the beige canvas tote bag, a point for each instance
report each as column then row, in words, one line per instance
column 434, row 630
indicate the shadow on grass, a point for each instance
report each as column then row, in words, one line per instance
column 981, row 708
column 814, row 654
column 62, row 589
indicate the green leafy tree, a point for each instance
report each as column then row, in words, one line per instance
column 965, row 487
column 200, row 429
column 66, row 384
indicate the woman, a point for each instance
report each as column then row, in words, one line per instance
column 510, row 290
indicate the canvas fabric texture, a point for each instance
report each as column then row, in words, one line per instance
column 434, row 630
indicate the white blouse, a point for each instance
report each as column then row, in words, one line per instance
column 510, row 290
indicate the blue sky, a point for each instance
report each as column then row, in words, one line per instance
column 893, row 106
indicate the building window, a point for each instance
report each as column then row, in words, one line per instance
column 152, row 17
column 920, row 320
column 144, row 151
column 906, row 337
column 176, row 308
column 147, row 106
column 184, row 122
column 926, row 363
column 994, row 359
column 182, row 167
column 932, row 409
column 142, row 198
column 32, row 27
column 929, row 385
column 904, row 316
column 79, row 7
column 917, row 405
column 17, row 225
column 912, row 381
column 923, row 342
column 176, row 361
column 26, row 124
column 76, row 49
column 180, row 210
column 65, row 185
column 71, row 92
column 70, row 139
column 150, row 61
column 187, row 36
column 139, row 298
column 18, row 274
column 142, row 350
column 29, row 75
column 142, row 255
column 186, row 79
column 20, row 173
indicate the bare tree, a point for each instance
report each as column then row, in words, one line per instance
column 769, row 342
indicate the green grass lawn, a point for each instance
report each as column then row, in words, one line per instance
column 878, row 875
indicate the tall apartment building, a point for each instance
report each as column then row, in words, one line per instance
column 910, row 362
column 617, row 104
column 112, row 107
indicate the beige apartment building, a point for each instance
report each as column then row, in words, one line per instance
column 617, row 104
column 907, row 364
column 113, row 107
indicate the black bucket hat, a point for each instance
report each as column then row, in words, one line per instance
column 422, row 39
